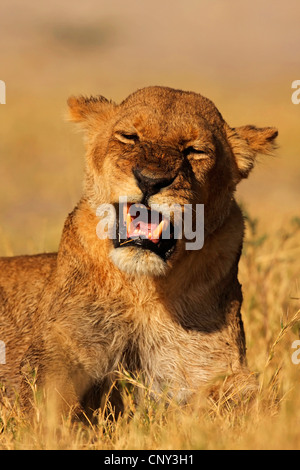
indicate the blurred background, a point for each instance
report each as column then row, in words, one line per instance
column 243, row 55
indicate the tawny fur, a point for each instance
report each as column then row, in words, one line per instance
column 78, row 315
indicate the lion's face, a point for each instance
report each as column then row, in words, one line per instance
column 156, row 157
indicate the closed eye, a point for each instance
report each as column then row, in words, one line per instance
column 127, row 138
column 198, row 154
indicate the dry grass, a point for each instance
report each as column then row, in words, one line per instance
column 269, row 272
column 50, row 51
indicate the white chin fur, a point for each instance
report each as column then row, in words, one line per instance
column 136, row 261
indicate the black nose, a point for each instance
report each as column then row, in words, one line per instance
column 150, row 186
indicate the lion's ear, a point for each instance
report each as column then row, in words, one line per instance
column 85, row 110
column 247, row 142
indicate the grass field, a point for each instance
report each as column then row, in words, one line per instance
column 50, row 51
column 270, row 276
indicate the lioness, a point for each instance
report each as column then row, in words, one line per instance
column 142, row 301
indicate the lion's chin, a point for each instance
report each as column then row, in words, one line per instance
column 139, row 262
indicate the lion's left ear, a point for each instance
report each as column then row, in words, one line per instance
column 247, row 142
column 86, row 110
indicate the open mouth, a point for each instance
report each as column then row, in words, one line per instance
column 140, row 226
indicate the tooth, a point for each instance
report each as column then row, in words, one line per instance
column 158, row 231
column 165, row 224
column 125, row 211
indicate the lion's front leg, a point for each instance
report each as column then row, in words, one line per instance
column 51, row 386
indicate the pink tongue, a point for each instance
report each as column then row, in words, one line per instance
column 142, row 229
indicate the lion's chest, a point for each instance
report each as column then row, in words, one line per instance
column 170, row 355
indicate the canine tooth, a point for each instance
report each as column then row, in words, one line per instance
column 128, row 222
column 158, row 231
column 125, row 211
column 165, row 224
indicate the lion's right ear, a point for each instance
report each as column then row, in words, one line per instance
column 88, row 110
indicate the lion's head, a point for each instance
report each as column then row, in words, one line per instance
column 157, row 149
